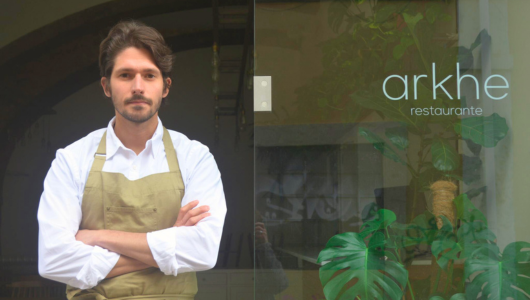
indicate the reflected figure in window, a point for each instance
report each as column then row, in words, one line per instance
column 270, row 276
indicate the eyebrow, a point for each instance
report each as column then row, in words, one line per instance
column 143, row 70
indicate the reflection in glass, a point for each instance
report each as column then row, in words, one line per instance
column 269, row 270
column 388, row 154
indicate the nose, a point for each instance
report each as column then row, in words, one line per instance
column 138, row 84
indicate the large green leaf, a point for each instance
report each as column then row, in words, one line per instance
column 377, row 276
column 465, row 55
column 398, row 136
column 459, row 296
column 444, row 156
column 384, row 13
column 398, row 51
column 467, row 211
column 412, row 20
column 482, row 37
column 422, row 231
column 470, row 237
column 499, row 277
column 380, row 145
column 485, row 131
column 382, row 219
column 433, row 10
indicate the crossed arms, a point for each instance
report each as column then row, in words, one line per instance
column 134, row 250
column 82, row 258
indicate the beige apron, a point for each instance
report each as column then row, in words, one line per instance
column 111, row 201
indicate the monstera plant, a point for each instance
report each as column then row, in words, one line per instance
column 371, row 261
column 369, row 257
column 375, row 276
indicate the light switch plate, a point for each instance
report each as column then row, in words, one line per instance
column 262, row 93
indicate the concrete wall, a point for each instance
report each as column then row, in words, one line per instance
column 519, row 45
column 21, row 17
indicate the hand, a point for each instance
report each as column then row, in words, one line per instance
column 86, row 236
column 261, row 233
column 188, row 216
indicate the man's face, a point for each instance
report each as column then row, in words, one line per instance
column 136, row 85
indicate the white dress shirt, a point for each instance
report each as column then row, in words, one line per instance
column 176, row 249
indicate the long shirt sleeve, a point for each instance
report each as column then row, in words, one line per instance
column 194, row 248
column 61, row 257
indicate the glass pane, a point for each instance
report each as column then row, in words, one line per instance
column 394, row 161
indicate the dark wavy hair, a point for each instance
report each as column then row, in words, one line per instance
column 135, row 34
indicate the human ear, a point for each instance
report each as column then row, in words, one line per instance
column 168, row 85
column 104, row 85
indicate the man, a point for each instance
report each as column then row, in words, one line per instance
column 120, row 216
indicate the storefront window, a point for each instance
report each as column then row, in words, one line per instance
column 394, row 161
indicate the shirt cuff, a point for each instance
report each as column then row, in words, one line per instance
column 162, row 244
column 101, row 262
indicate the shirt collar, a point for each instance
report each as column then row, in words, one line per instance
column 154, row 145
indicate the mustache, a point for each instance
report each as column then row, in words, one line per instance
column 137, row 97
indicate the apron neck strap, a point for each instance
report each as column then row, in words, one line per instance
column 101, row 154
column 171, row 155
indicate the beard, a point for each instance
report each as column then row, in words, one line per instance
column 140, row 113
